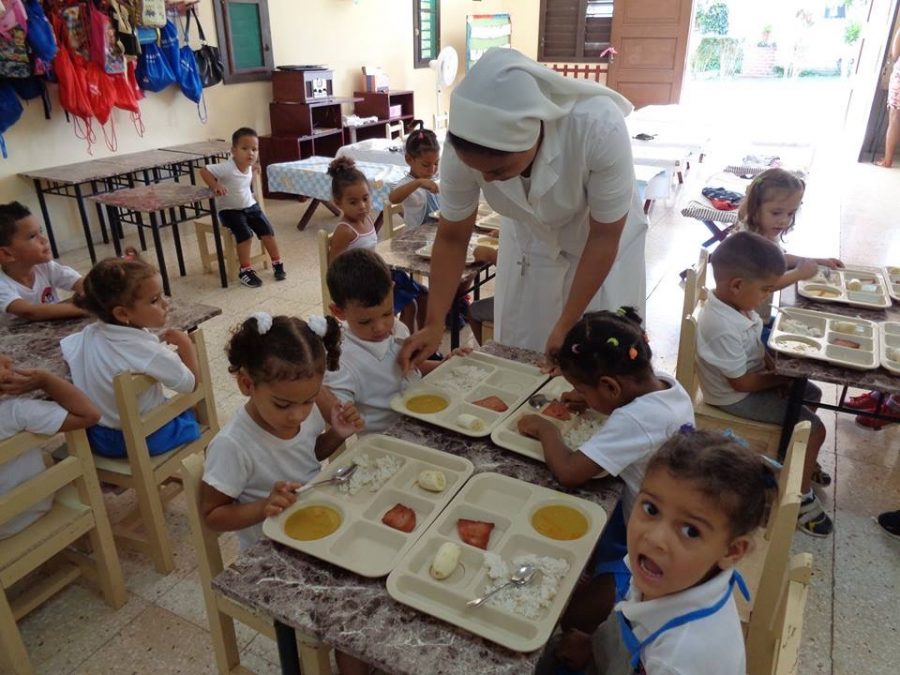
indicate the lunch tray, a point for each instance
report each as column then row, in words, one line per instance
column 890, row 339
column 507, row 436
column 873, row 293
column 892, row 277
column 822, row 329
column 510, row 381
column 509, row 504
column 362, row 543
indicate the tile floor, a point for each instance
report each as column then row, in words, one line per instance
column 852, row 616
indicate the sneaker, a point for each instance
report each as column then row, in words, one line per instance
column 280, row 274
column 250, row 278
column 867, row 402
column 820, row 476
column 812, row 519
column 890, row 409
column 890, row 521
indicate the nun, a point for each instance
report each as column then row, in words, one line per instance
column 552, row 157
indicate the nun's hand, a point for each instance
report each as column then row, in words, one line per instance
column 419, row 346
column 554, row 344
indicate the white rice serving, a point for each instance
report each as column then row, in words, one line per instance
column 800, row 328
column 530, row 600
column 371, row 473
column 462, row 378
column 583, row 429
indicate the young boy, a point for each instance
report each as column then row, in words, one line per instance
column 30, row 277
column 362, row 296
column 232, row 182
column 70, row 409
column 734, row 370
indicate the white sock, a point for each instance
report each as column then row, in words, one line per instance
column 808, row 497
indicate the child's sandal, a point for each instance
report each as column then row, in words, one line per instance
column 820, row 476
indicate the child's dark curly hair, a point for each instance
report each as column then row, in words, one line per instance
column 289, row 350
column 343, row 174
column 421, row 140
column 735, row 477
column 10, row 215
column 111, row 283
column 604, row 344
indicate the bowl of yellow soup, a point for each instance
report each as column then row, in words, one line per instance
column 560, row 522
column 426, row 402
column 315, row 521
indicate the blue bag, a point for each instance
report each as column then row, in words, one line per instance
column 189, row 76
column 153, row 71
column 40, row 32
column 10, row 112
column 168, row 43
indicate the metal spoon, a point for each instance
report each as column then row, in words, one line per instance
column 538, row 401
column 521, row 577
column 342, row 475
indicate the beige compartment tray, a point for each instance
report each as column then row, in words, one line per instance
column 509, row 504
column 890, row 346
column 826, row 337
column 507, row 436
column 491, row 221
column 465, row 379
column 892, row 278
column 362, row 543
column 839, row 287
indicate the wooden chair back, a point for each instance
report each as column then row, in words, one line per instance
column 390, row 226
column 695, row 293
column 323, row 239
column 394, row 130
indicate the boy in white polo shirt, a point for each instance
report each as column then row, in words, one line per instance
column 232, row 182
column 362, row 296
column 734, row 370
column 30, row 277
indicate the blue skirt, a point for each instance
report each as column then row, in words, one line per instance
column 609, row 555
column 405, row 289
column 108, row 442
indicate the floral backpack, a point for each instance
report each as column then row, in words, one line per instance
column 14, row 60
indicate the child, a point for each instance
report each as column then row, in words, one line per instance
column 357, row 230
column 30, row 277
column 417, row 192
column 232, row 181
column 606, row 358
column 734, row 371
column 700, row 503
column 362, row 296
column 126, row 295
column 70, row 409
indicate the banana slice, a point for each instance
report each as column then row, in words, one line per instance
column 445, row 561
column 433, row 481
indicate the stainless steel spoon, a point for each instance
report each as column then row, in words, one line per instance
column 521, row 577
column 538, row 401
column 342, row 475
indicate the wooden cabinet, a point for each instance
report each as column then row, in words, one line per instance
column 388, row 106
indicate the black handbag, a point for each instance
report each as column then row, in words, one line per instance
column 209, row 60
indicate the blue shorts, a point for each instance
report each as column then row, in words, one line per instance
column 244, row 223
column 108, row 442
column 610, row 552
column 405, row 289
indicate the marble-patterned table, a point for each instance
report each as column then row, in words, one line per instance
column 214, row 147
column 356, row 615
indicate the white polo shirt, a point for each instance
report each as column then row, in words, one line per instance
column 103, row 350
column 38, row 417
column 244, row 461
column 632, row 433
column 728, row 346
column 415, row 207
column 713, row 645
column 236, row 182
column 47, row 278
column 370, row 376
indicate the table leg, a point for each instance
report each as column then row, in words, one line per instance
column 308, row 214
column 335, row 211
column 286, row 639
column 116, row 228
column 160, row 256
column 85, row 223
column 140, row 217
column 46, row 214
column 176, row 236
column 217, row 238
column 100, row 220
column 792, row 414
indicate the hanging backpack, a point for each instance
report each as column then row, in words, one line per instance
column 153, row 71
column 125, row 99
column 101, row 96
column 10, row 112
column 75, row 30
column 105, row 49
column 123, row 16
column 73, row 96
column 14, row 60
column 209, row 61
column 153, row 13
column 168, row 44
column 30, row 88
column 189, row 77
column 40, row 32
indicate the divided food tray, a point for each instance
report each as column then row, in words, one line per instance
column 892, row 277
column 465, row 379
column 826, row 337
column 362, row 543
column 890, row 346
column 506, row 435
column 425, row 252
column 856, row 286
column 509, row 504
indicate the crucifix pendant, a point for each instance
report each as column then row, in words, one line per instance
column 523, row 263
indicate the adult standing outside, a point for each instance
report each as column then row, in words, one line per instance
column 552, row 156
column 893, row 105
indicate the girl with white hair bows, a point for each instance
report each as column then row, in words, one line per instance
column 553, row 157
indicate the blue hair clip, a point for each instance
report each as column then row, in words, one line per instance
column 731, row 436
column 686, row 429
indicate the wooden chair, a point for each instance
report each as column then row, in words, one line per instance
column 204, row 227
column 221, row 611
column 77, row 510
column 790, row 617
column 155, row 479
column 389, row 226
column 763, row 436
column 394, row 130
column 323, row 239
column 441, row 121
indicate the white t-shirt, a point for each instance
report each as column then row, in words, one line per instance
column 103, row 350
column 713, row 645
column 632, row 433
column 38, row 417
column 728, row 346
column 244, row 461
column 370, row 376
column 47, row 278
column 238, row 184
column 415, row 207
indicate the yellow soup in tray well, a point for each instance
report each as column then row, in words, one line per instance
column 426, row 403
column 312, row 522
column 559, row 522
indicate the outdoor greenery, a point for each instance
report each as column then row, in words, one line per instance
column 712, row 19
column 718, row 54
column 852, row 32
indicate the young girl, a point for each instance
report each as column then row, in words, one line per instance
column 350, row 190
column 702, row 498
column 417, row 192
column 126, row 296
column 607, row 359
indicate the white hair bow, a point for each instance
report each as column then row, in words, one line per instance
column 263, row 321
column 318, row 324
